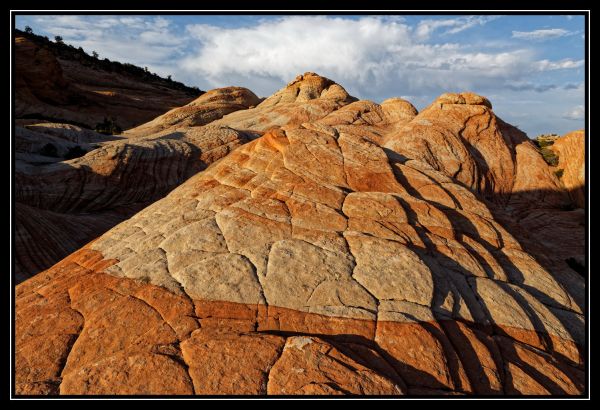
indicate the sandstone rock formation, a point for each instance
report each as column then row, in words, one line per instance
column 309, row 97
column 559, row 227
column 207, row 108
column 103, row 187
column 45, row 143
column 122, row 174
column 59, row 89
column 570, row 150
column 352, row 248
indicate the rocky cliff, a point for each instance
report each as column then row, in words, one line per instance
column 340, row 247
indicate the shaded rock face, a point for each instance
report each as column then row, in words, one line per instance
column 570, row 149
column 459, row 136
column 352, row 248
column 38, row 76
column 66, row 90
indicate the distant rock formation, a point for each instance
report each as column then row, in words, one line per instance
column 347, row 247
column 51, row 88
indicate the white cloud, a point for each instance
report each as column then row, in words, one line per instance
column 369, row 56
column 577, row 113
column 544, row 34
column 146, row 41
column 132, row 22
column 67, row 21
column 546, row 65
column 426, row 28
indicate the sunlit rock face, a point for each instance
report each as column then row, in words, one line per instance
column 345, row 247
column 570, row 149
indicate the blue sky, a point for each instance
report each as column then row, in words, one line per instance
column 531, row 67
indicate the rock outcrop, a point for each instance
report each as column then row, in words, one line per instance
column 352, row 248
column 48, row 87
column 207, row 108
column 122, row 174
column 570, row 150
column 309, row 97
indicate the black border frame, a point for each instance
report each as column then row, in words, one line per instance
column 133, row 11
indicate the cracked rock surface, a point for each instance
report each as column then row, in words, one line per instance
column 369, row 250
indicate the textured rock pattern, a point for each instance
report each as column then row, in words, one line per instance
column 118, row 177
column 104, row 187
column 207, row 108
column 343, row 255
column 309, row 97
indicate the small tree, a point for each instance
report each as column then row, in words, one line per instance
column 169, row 77
column 28, row 30
column 108, row 127
column 58, row 39
column 146, row 69
column 94, row 54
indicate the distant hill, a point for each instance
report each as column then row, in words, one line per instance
column 58, row 82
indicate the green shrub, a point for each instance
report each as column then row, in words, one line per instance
column 108, row 127
column 545, row 140
column 559, row 173
column 549, row 156
column 49, row 150
column 545, row 143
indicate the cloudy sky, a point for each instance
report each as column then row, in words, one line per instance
column 532, row 68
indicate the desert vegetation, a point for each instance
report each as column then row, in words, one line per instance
column 543, row 143
column 108, row 127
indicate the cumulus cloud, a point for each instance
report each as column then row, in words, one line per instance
column 543, row 34
column 577, row 113
column 369, row 56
